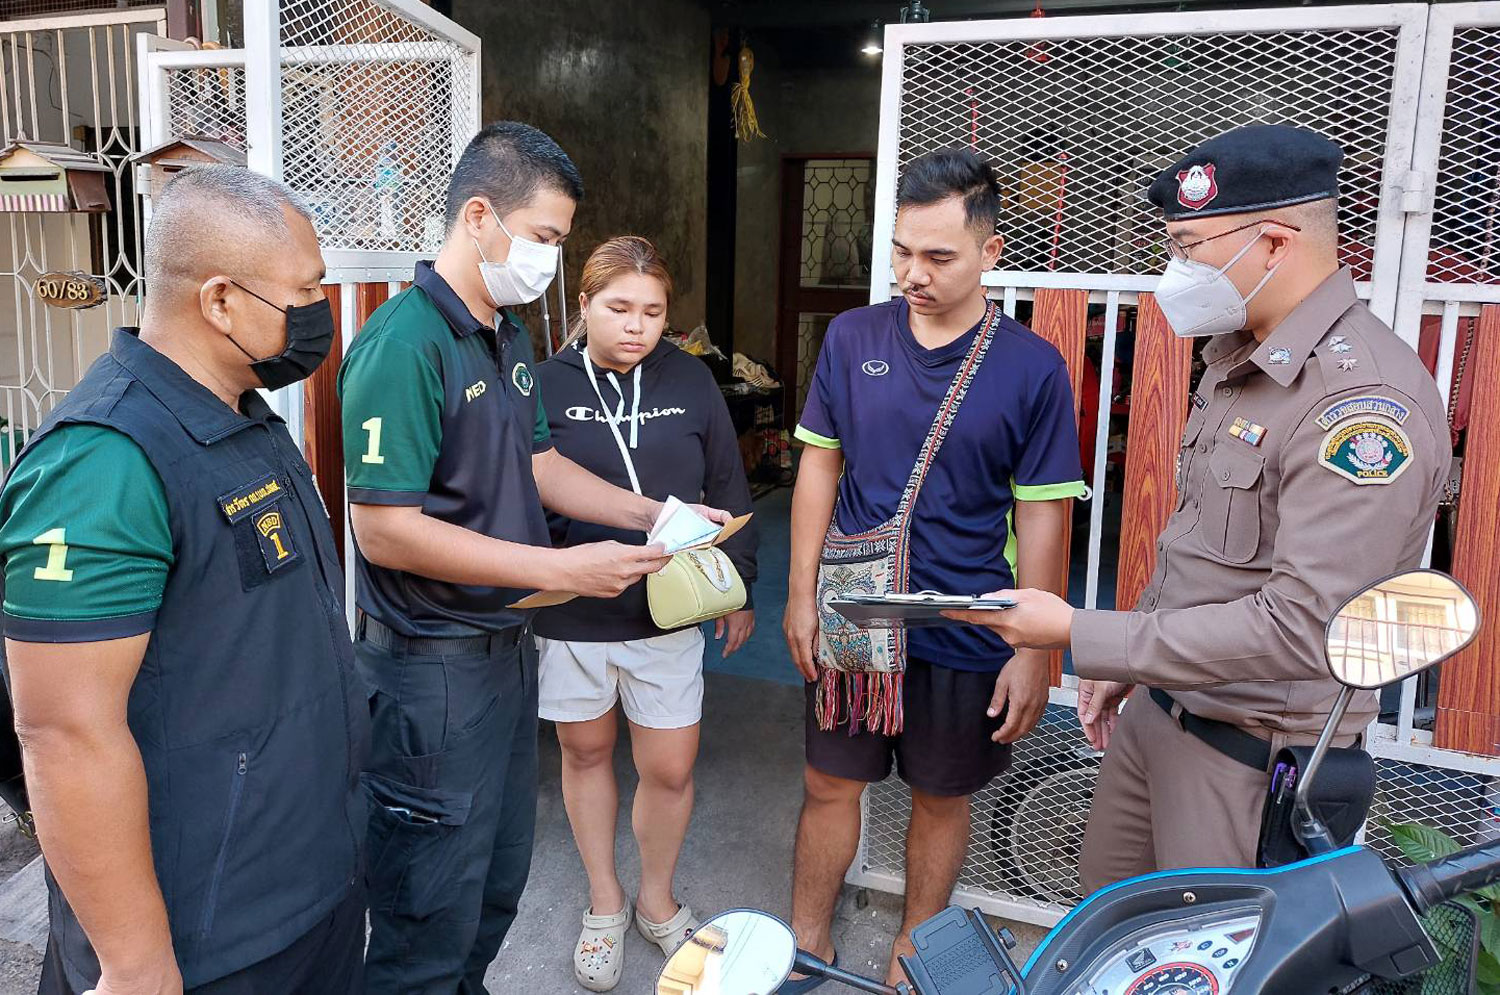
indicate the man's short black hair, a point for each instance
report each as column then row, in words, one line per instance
column 956, row 172
column 509, row 162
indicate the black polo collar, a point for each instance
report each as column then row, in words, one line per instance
column 448, row 303
column 196, row 408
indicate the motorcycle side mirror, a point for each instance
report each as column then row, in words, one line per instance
column 1393, row 629
column 740, row 952
column 1399, row 627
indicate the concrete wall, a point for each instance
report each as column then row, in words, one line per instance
column 801, row 111
column 623, row 87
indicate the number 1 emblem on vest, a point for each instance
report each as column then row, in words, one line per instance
column 275, row 540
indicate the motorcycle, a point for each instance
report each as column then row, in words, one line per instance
column 1338, row 922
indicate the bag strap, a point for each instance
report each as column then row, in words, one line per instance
column 612, row 418
column 948, row 410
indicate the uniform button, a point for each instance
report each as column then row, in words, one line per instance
column 1228, row 391
column 1203, row 447
column 1224, row 475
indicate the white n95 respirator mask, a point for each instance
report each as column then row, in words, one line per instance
column 1198, row 299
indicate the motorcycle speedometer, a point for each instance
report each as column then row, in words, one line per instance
column 1184, row 956
column 1176, row 979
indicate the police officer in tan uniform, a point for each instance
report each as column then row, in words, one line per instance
column 1315, row 452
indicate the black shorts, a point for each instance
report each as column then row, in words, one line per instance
column 945, row 748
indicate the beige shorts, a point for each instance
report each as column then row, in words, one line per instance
column 658, row 680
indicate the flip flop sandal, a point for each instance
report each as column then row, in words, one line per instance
column 807, row 984
column 671, row 934
column 599, row 958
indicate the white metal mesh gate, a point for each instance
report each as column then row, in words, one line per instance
column 376, row 109
column 1079, row 113
column 1080, row 123
column 370, row 104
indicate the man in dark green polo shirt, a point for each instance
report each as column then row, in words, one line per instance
column 450, row 465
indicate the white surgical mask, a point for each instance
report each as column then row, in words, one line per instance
column 526, row 273
column 1197, row 299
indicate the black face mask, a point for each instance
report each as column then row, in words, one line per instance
column 309, row 337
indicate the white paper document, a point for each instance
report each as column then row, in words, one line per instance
column 679, row 527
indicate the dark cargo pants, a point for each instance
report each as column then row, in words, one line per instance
column 452, row 779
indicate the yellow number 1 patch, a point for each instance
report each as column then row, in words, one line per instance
column 57, row 556
column 275, row 538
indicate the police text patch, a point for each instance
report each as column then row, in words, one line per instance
column 1369, row 450
column 275, row 539
column 1368, row 405
column 248, row 498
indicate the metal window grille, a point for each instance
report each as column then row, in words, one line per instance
column 67, row 81
column 25, row 9
column 837, row 195
column 375, row 111
column 1026, row 827
column 1079, row 126
column 1466, row 209
column 811, row 328
column 1381, row 649
column 208, row 103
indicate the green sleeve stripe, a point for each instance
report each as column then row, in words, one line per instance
column 1050, row 492
column 541, row 431
column 814, row 439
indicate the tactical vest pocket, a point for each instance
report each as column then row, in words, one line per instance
column 211, row 898
column 1230, row 522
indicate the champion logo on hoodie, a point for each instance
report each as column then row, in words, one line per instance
column 582, row 412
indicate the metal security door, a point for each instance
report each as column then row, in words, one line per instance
column 1079, row 113
column 67, row 81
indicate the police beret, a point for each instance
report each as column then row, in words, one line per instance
column 1256, row 168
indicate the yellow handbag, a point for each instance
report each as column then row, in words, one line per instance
column 695, row 586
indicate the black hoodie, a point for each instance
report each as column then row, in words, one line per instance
column 685, row 446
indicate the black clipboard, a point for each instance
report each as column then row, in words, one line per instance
column 892, row 611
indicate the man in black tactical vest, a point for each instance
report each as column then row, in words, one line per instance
column 176, row 645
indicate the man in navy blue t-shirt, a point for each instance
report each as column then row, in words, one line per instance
column 940, row 368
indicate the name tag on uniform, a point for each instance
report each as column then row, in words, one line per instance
column 260, row 502
column 244, row 501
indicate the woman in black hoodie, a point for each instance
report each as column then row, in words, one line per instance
column 673, row 425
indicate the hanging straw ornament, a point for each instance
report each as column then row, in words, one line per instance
column 746, row 125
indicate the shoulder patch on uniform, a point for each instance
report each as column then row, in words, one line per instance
column 1370, row 404
column 1366, row 450
column 521, row 377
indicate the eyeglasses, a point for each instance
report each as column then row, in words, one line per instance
column 1180, row 250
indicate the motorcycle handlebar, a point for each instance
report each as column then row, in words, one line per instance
column 1431, row 884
